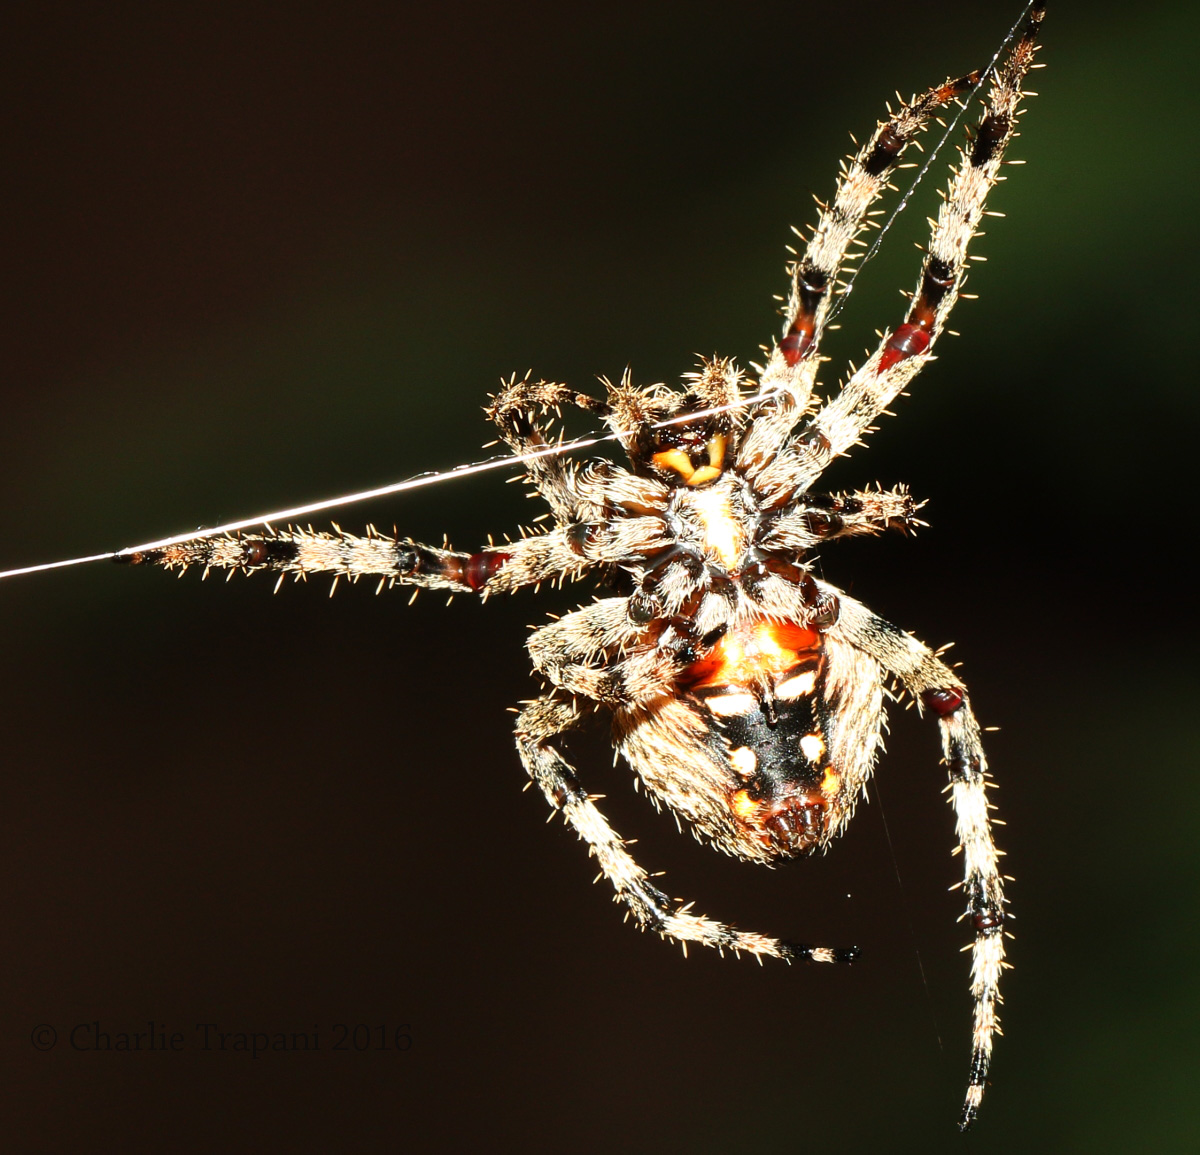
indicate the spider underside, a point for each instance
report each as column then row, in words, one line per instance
column 747, row 695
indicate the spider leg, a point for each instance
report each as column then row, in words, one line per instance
column 305, row 552
column 546, row 718
column 563, row 553
column 519, row 411
column 903, row 353
column 935, row 687
column 823, row 517
column 792, row 366
column 586, row 652
column 566, row 553
column 607, row 510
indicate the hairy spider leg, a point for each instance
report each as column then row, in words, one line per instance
column 864, row 177
column 904, row 352
column 546, row 718
column 935, row 687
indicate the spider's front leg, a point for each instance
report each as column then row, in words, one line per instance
column 581, row 654
column 791, row 371
column 936, row 688
column 306, row 552
column 564, row 553
column 904, row 352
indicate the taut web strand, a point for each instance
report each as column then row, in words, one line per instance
column 418, row 482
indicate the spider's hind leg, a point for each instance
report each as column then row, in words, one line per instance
column 936, row 688
column 551, row 715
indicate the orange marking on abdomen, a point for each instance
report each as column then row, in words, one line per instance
column 752, row 654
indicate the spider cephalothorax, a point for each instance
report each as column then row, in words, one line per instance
column 745, row 693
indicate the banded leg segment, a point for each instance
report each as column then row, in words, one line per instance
column 936, row 688
column 305, row 552
column 543, row 720
column 823, row 517
column 864, row 177
column 566, row 553
column 598, row 652
column 562, row 554
column 902, row 354
column 607, row 652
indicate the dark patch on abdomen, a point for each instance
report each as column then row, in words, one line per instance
column 781, row 762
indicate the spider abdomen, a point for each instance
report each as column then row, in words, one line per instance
column 763, row 686
column 751, row 747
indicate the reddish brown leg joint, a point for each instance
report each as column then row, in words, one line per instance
column 914, row 336
column 481, row 567
column 811, row 286
column 942, row 701
column 909, row 340
column 795, row 344
column 988, row 919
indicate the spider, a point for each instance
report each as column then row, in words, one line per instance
column 746, row 694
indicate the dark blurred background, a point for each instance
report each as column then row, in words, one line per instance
column 261, row 254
